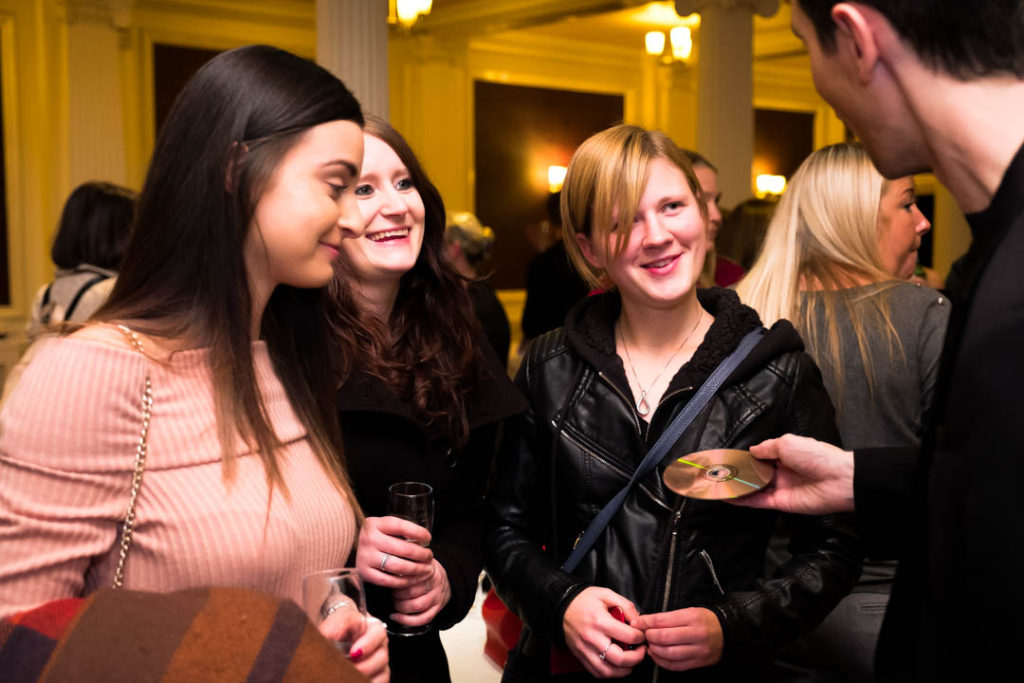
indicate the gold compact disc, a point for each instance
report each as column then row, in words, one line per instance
column 717, row 474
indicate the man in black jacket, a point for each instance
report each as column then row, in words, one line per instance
column 929, row 84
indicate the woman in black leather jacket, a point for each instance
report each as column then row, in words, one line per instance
column 687, row 575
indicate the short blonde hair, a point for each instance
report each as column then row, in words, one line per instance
column 607, row 176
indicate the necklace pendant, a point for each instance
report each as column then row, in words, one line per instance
column 642, row 406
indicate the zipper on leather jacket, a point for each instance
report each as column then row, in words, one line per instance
column 629, row 404
column 672, row 553
column 669, row 395
column 671, row 567
column 711, row 567
column 619, row 470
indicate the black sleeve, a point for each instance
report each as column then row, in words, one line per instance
column 456, row 541
column 883, row 488
column 526, row 577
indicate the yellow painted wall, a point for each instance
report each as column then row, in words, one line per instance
column 431, row 84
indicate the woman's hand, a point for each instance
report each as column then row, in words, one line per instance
column 418, row 603
column 683, row 639
column 369, row 653
column 385, row 558
column 598, row 639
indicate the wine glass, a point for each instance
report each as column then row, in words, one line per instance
column 413, row 501
column 336, row 595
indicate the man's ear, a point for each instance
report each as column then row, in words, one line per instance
column 856, row 33
column 587, row 249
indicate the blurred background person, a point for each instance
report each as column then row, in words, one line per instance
column 552, row 285
column 718, row 270
column 835, row 262
column 420, row 398
column 90, row 242
column 470, row 247
column 743, row 230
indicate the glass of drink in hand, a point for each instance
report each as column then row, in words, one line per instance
column 412, row 501
column 334, row 601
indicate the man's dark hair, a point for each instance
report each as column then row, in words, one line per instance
column 698, row 159
column 965, row 39
column 94, row 226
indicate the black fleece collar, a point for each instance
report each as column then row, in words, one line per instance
column 590, row 332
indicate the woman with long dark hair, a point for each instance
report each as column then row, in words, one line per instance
column 420, row 399
column 213, row 342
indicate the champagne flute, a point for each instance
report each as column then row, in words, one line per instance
column 336, row 595
column 412, row 501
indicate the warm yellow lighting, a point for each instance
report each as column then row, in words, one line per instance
column 408, row 11
column 682, row 43
column 770, row 184
column 658, row 14
column 655, row 43
column 556, row 176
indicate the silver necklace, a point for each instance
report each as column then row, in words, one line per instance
column 642, row 406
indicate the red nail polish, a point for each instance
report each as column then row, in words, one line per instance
column 355, row 654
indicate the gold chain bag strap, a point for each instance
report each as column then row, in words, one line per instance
column 128, row 527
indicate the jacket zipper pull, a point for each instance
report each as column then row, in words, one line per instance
column 711, row 567
column 577, row 541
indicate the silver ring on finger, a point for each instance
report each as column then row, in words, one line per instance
column 605, row 651
column 384, row 561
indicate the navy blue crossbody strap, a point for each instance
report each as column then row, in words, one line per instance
column 664, row 442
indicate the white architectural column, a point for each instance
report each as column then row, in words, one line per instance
column 95, row 104
column 725, row 111
column 352, row 43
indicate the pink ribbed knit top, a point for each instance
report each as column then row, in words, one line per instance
column 68, row 436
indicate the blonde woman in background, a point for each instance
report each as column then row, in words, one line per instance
column 835, row 262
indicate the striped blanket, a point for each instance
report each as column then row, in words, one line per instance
column 201, row 634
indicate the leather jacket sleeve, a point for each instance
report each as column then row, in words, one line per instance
column 526, row 575
column 825, row 552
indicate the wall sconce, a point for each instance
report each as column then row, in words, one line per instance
column 769, row 185
column 655, row 43
column 406, row 12
column 556, row 176
column 680, row 41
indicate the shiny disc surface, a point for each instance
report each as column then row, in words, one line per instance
column 718, row 474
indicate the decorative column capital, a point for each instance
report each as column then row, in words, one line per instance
column 113, row 13
column 765, row 8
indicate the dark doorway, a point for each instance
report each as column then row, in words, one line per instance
column 520, row 131
column 173, row 65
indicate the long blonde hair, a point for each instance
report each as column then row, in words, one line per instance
column 824, row 236
column 608, row 173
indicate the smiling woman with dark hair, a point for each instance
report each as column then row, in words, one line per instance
column 421, row 398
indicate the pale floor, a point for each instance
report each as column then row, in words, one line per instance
column 464, row 645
